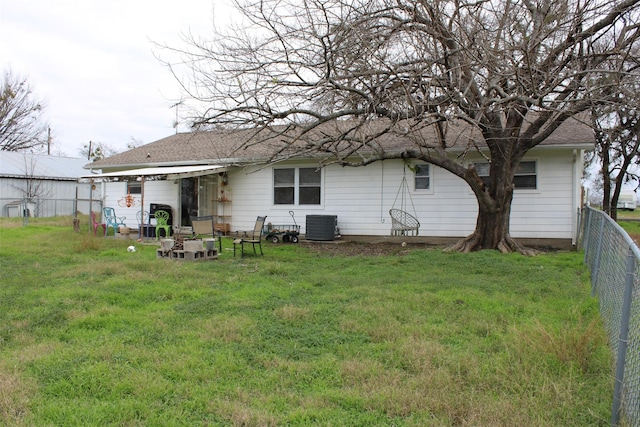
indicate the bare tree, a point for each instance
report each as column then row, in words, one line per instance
column 99, row 150
column 21, row 123
column 32, row 186
column 338, row 77
column 617, row 145
column 617, row 127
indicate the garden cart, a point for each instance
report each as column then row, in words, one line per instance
column 283, row 232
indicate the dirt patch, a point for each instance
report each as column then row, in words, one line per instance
column 349, row 248
column 355, row 248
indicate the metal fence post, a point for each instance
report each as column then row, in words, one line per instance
column 587, row 233
column 578, row 227
column 596, row 263
column 624, row 336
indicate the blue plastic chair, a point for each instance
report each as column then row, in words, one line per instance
column 111, row 220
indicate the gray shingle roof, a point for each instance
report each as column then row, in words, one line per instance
column 226, row 147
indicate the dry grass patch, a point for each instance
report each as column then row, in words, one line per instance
column 571, row 345
column 228, row 329
column 239, row 411
column 14, row 396
column 291, row 313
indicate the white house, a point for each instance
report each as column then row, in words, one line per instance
column 205, row 174
column 41, row 185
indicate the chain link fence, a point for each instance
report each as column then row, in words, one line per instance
column 613, row 259
column 46, row 207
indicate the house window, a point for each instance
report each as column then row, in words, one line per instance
column 421, row 177
column 296, row 186
column 134, row 187
column 525, row 177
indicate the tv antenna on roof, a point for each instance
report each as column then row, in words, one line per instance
column 176, row 105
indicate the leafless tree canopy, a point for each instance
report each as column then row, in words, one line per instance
column 22, row 127
column 512, row 69
column 617, row 147
column 617, row 127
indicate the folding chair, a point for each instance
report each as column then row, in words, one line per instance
column 203, row 226
column 253, row 237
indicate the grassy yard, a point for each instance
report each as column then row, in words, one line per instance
column 93, row 335
column 630, row 221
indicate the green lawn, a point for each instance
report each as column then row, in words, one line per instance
column 93, row 335
column 630, row 221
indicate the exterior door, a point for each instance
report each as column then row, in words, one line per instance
column 188, row 200
column 208, row 189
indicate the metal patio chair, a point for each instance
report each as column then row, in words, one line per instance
column 142, row 217
column 253, row 237
column 203, row 226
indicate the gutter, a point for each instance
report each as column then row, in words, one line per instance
column 204, row 162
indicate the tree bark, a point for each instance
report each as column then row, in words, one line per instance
column 494, row 207
column 491, row 232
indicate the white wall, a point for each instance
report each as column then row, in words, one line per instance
column 361, row 199
column 163, row 192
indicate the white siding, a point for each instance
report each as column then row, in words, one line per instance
column 163, row 192
column 361, row 199
column 546, row 212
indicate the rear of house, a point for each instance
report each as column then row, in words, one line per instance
column 545, row 204
column 206, row 173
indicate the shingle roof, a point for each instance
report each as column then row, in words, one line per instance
column 21, row 165
column 228, row 147
column 208, row 147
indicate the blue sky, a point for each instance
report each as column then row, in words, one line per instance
column 93, row 63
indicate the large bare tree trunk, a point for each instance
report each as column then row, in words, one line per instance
column 492, row 232
column 494, row 211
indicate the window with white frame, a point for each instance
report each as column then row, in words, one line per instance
column 525, row 178
column 421, row 176
column 134, row 187
column 297, row 186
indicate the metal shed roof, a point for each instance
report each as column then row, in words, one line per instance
column 39, row 166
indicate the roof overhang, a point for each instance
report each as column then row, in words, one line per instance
column 172, row 172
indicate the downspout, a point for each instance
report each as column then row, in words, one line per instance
column 141, row 230
column 382, row 216
column 575, row 200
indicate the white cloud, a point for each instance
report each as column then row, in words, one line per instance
column 93, row 62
